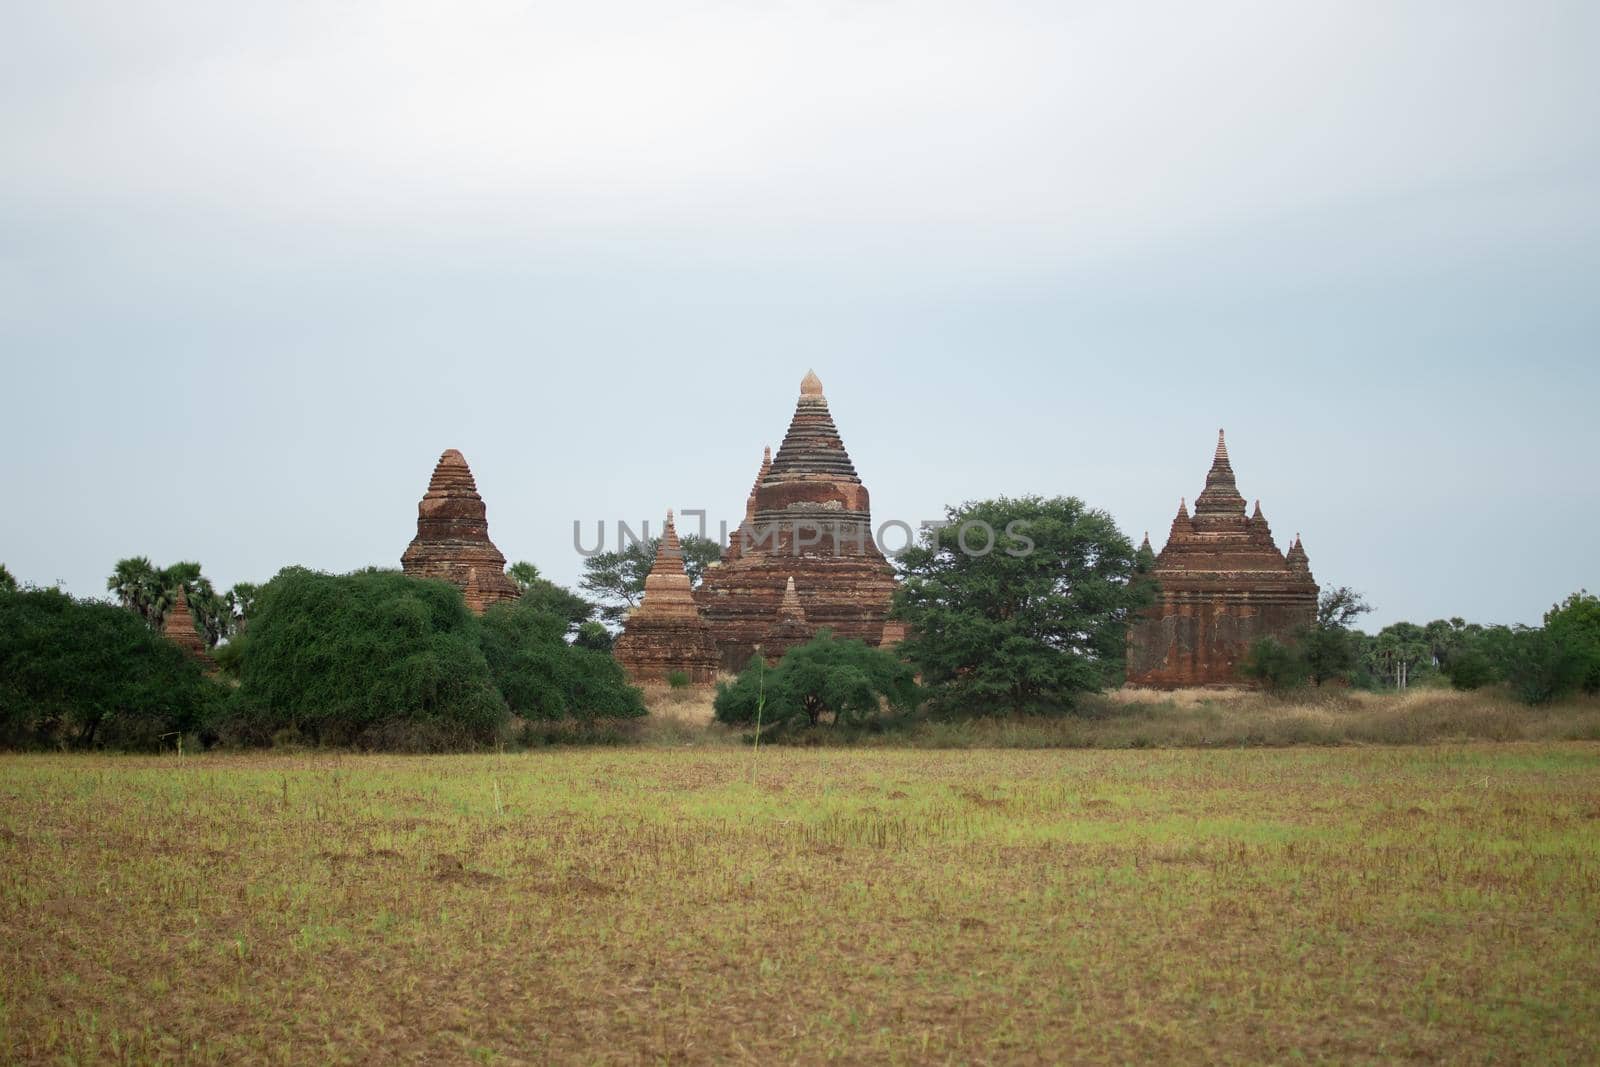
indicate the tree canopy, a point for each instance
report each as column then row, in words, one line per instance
column 1329, row 647
column 1575, row 623
column 84, row 673
column 543, row 677
column 1018, row 604
column 550, row 598
column 374, row 659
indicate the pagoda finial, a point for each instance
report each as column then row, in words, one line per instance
column 811, row 385
column 1220, row 500
column 1183, row 507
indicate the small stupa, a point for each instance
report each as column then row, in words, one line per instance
column 178, row 627
column 665, row 634
column 789, row 629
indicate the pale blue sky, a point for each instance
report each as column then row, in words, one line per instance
column 260, row 264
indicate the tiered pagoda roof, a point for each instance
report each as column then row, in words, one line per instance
column 452, row 541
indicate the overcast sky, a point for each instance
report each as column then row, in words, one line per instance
column 261, row 263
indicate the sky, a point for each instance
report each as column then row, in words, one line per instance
column 261, row 263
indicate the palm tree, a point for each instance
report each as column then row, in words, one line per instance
column 137, row 585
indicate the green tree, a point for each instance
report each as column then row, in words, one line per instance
column 1470, row 669
column 1278, row 667
column 543, row 677
column 1540, row 667
column 1328, row 648
column 374, row 659
column 1029, row 620
column 8, row 584
column 548, row 597
column 843, row 681
column 616, row 579
column 86, row 673
column 1575, row 625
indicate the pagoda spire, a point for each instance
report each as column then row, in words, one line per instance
column 791, row 608
column 1182, row 524
column 761, row 476
column 1260, row 530
column 1296, row 557
column 665, row 636
column 666, row 587
column 812, row 447
column 1220, row 499
column 789, row 629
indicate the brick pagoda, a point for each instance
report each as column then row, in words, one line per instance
column 810, row 519
column 178, row 627
column 452, row 539
column 1223, row 584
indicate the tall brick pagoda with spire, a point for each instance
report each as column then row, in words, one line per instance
column 1223, row 585
column 452, row 539
column 665, row 633
column 809, row 518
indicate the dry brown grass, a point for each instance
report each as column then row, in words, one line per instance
column 1434, row 903
column 689, row 705
column 1142, row 718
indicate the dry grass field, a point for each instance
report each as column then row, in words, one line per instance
column 1340, row 904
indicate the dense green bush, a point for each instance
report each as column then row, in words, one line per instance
column 1575, row 624
column 844, row 679
column 543, row 677
column 594, row 635
column 1278, row 667
column 1471, row 669
column 1540, row 667
column 374, row 659
column 85, row 673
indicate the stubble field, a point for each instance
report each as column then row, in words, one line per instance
column 1341, row 904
